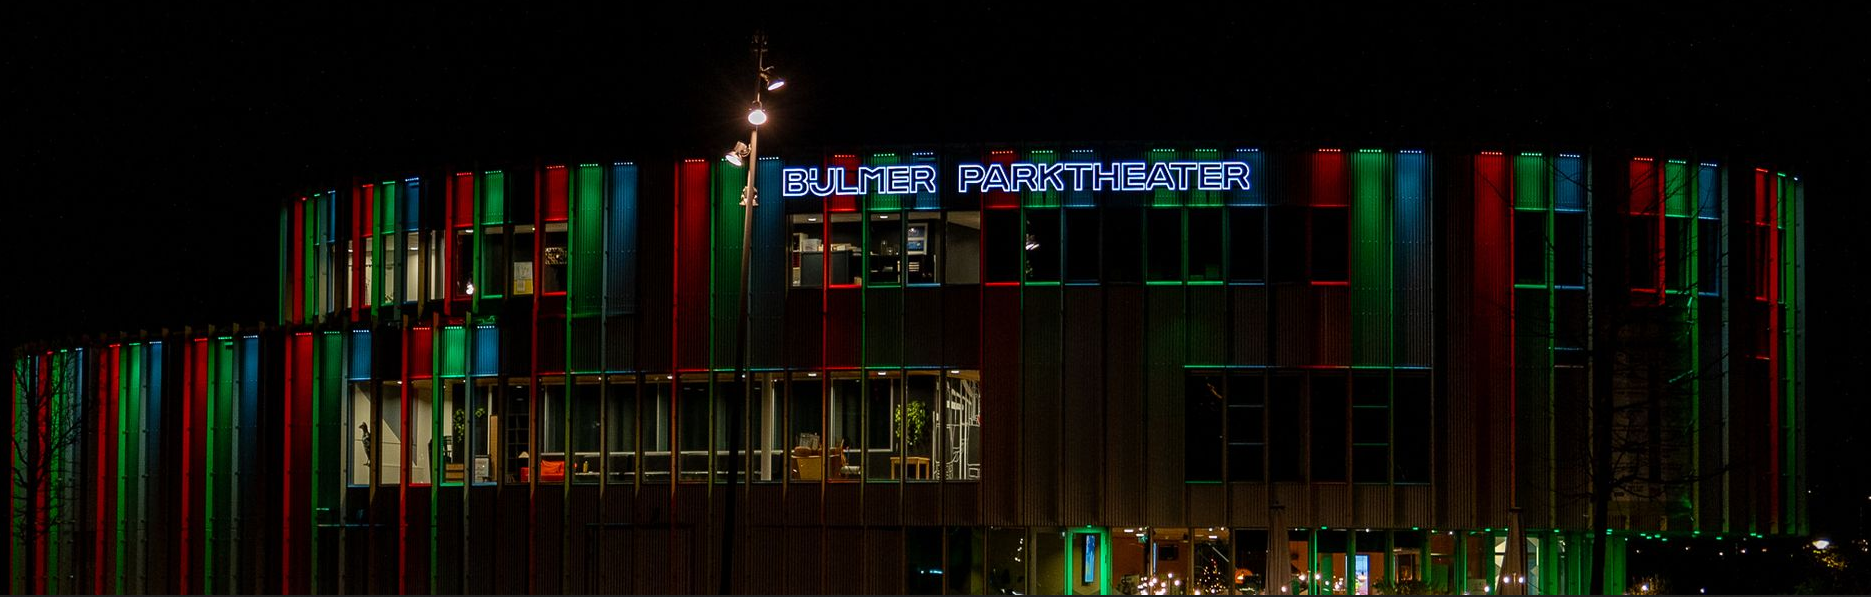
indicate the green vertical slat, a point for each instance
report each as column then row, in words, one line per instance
column 1370, row 258
column 129, row 403
column 1045, row 198
column 493, row 195
column 587, row 267
column 388, row 246
column 1206, row 198
column 327, row 435
column 22, row 369
column 724, row 281
column 452, row 345
column 310, row 220
column 1164, row 197
column 1789, row 297
column 1677, row 200
column 285, row 269
column 874, row 199
column 1530, row 182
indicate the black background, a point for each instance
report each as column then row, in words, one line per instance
column 149, row 149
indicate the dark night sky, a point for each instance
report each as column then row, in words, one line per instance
column 149, row 150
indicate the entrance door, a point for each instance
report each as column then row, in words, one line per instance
column 1087, row 561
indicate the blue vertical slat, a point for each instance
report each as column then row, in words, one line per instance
column 1411, row 251
column 359, row 356
column 412, row 204
column 1257, row 179
column 486, row 351
column 1569, row 183
column 1708, row 191
column 1080, row 198
column 620, row 243
column 924, row 200
column 767, row 285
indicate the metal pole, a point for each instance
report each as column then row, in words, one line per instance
column 749, row 196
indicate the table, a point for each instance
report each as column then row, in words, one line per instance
column 918, row 466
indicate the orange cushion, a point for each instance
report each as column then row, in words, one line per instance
column 552, row 470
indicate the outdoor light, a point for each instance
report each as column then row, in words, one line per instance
column 757, row 117
column 1032, row 242
column 738, row 156
column 776, row 84
column 1821, row 544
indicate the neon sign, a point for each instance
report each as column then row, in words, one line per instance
column 1017, row 177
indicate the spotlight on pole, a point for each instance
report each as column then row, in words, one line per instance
column 738, row 156
column 757, row 117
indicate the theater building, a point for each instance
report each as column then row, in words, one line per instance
column 1031, row 369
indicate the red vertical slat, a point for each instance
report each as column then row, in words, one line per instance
column 296, row 263
column 1329, row 186
column 1493, row 309
column 360, row 213
column 691, row 266
column 403, row 475
column 1771, row 231
column 849, row 165
column 1000, row 199
column 105, row 465
column 557, row 187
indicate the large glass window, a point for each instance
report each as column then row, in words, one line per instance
column 555, row 260
column 1250, row 562
column 844, row 259
column 1530, row 247
column 692, row 424
column 845, row 433
column 656, row 414
column 1165, row 244
column 961, row 239
column 1042, row 245
column 525, row 273
column 1123, row 245
column 550, row 461
column 494, row 262
column 806, row 250
column 1286, row 247
column 885, row 252
column 765, row 425
column 1247, row 438
column 1205, row 402
column 422, row 432
column 514, row 433
column 920, row 418
column 959, row 458
column 465, row 433
column 810, row 452
column 620, row 429
column 883, row 433
column 1328, row 416
column 1083, row 248
column 586, row 427
column 1331, row 249
column 461, row 261
column 1413, row 420
column 1247, row 244
column 1007, row 557
column 1286, row 448
column 1205, row 250
column 1005, row 244
column 412, row 267
column 1569, row 249
column 361, row 449
column 1370, row 428
column 922, row 248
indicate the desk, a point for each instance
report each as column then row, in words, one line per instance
column 918, row 466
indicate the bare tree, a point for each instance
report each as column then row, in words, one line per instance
column 47, row 441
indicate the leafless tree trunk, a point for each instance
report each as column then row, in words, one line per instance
column 46, row 438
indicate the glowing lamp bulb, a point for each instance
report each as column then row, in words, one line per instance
column 734, row 158
column 776, row 84
column 757, row 117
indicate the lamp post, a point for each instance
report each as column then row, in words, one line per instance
column 748, row 154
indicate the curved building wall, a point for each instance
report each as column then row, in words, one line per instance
column 522, row 380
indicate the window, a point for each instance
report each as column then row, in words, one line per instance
column 1413, row 427
column 363, row 430
column 845, row 433
column 885, row 252
column 721, row 444
column 464, row 432
column 655, row 412
column 1205, row 402
column 692, row 424
column 556, row 259
column 494, row 262
column 806, row 250
column 620, row 430
column 1247, row 244
column 883, row 431
column 1641, row 251
column 922, row 248
column 1123, row 245
column 765, row 426
column 844, row 264
column 523, row 267
column 919, row 421
column 1081, row 236
column 1005, row 244
column 1679, row 253
column 1370, row 428
column 960, row 456
column 1569, row 249
column 1042, row 245
column 412, row 267
column 586, row 461
column 1328, row 428
column 1205, row 252
column 515, row 444
column 1330, row 244
column 961, row 238
column 1246, row 434
column 1164, row 251
column 422, row 432
column 461, row 259
column 1286, row 448
column 1709, row 257
column 809, row 453
column 1250, row 562
column 1529, row 247
column 433, row 271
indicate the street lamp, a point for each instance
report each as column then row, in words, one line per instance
column 743, row 154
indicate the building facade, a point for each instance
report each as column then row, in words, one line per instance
column 1041, row 369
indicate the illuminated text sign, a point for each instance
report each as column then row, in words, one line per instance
column 1017, row 177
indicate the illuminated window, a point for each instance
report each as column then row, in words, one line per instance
column 810, row 455
column 961, row 242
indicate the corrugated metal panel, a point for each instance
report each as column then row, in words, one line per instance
column 961, row 504
column 961, row 326
column 1000, row 409
column 1208, row 504
column 803, row 555
column 1413, row 274
column 844, row 561
column 1041, row 409
column 1294, row 333
column 1250, row 339
column 1248, row 503
column 842, row 320
column 691, row 283
column 923, row 326
column 1207, row 325
column 1331, row 504
column 804, row 328
column 1372, row 506
column 883, row 561
column 1371, row 260
column 1295, row 501
column 841, row 504
column 1333, row 315
column 764, row 571
column 803, row 503
column 922, row 504
column 883, row 503
column 1163, row 404
column 582, row 508
column 883, row 327
column 1416, row 506
column 1124, row 410
column 1082, row 399
column 1533, row 395
column 768, row 280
